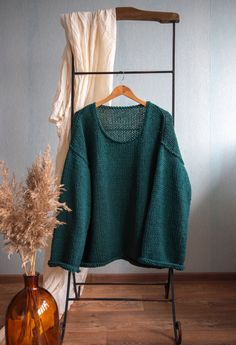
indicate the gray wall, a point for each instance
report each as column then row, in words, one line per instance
column 31, row 44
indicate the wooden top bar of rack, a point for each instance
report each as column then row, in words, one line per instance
column 132, row 13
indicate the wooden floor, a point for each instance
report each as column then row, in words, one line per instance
column 206, row 309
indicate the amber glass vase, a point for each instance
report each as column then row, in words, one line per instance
column 32, row 316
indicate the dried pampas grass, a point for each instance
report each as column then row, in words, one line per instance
column 29, row 210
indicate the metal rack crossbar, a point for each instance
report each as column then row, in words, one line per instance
column 123, row 72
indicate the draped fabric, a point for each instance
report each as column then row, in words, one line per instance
column 91, row 37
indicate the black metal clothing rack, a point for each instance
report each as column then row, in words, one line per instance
column 131, row 14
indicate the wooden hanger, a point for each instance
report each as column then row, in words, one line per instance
column 132, row 13
column 119, row 91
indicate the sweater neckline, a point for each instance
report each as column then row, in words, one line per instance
column 100, row 126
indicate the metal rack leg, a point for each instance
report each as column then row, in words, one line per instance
column 176, row 324
column 167, row 286
column 63, row 325
column 77, row 291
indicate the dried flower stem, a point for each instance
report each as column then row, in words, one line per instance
column 23, row 262
column 32, row 264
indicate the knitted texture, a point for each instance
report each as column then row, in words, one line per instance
column 128, row 188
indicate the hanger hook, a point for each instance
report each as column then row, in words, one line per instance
column 123, row 76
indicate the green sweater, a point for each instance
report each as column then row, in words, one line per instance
column 128, row 188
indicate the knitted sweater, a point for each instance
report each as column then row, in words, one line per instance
column 128, row 188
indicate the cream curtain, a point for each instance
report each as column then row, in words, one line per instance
column 91, row 36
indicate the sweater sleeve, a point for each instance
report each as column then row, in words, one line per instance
column 69, row 239
column 168, row 212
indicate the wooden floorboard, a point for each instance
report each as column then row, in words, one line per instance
column 206, row 309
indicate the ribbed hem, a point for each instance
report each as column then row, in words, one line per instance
column 162, row 264
column 142, row 262
column 64, row 265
